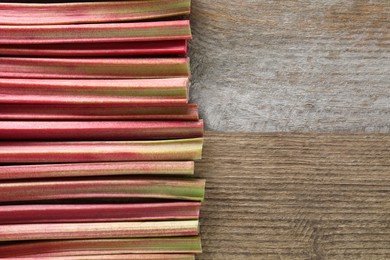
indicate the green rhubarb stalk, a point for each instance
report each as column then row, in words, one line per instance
column 20, row 232
column 95, row 169
column 90, row 12
column 44, row 68
column 119, row 187
column 92, row 91
column 69, row 213
column 63, row 248
column 98, row 151
column 92, row 33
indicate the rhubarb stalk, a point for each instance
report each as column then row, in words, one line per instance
column 50, row 231
column 51, row 152
column 95, row 169
column 62, row 248
column 88, row 91
column 149, row 48
column 69, row 213
column 90, row 12
column 91, row 112
column 99, row 130
column 92, row 33
column 122, row 188
column 116, row 257
column 44, row 68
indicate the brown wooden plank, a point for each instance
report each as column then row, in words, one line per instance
column 292, row 65
column 296, row 196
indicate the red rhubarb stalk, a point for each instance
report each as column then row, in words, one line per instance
column 178, row 47
column 90, row 12
column 116, row 257
column 91, row 33
column 162, row 188
column 98, row 151
column 99, row 130
column 95, row 169
column 69, row 213
column 93, row 68
column 61, row 248
column 19, row 232
column 88, row 91
column 91, row 112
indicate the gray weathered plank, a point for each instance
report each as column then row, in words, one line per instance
column 262, row 65
column 296, row 196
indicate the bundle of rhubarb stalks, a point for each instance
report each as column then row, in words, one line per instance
column 97, row 139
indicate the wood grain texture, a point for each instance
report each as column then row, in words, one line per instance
column 263, row 65
column 296, row 196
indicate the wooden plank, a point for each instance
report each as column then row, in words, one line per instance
column 320, row 65
column 296, row 196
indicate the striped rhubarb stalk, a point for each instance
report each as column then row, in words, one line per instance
column 19, row 232
column 95, row 169
column 91, row 112
column 93, row 68
column 90, row 91
column 70, row 213
column 62, row 248
column 178, row 47
column 99, row 130
column 149, row 188
column 91, row 33
column 100, row 151
column 91, row 12
column 116, row 257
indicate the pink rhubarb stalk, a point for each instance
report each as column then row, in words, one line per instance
column 92, row 33
column 91, row 112
column 178, row 47
column 19, row 232
column 116, row 257
column 90, row 91
column 90, row 12
column 147, row 188
column 62, row 248
column 44, row 68
column 99, row 130
column 95, row 169
column 98, row 151
column 69, row 213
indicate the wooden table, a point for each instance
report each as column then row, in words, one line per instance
column 292, row 65
column 282, row 66
column 296, row 196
